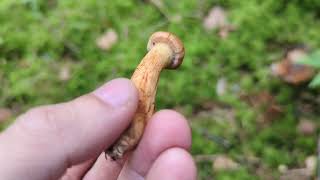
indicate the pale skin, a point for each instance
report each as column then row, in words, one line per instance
column 67, row 140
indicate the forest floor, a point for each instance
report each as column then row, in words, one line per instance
column 246, row 122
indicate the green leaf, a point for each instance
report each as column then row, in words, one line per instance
column 312, row 60
column 315, row 82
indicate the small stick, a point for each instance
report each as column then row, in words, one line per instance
column 165, row 51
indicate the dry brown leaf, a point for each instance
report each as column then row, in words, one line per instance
column 5, row 114
column 258, row 99
column 265, row 102
column 107, row 40
column 223, row 162
column 306, row 127
column 290, row 70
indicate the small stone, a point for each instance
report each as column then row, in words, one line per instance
column 64, row 74
column 306, row 127
column 222, row 162
column 107, row 40
column 221, row 86
column 215, row 19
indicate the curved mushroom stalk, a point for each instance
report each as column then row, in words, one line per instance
column 165, row 51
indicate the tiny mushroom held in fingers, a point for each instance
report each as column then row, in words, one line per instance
column 165, row 51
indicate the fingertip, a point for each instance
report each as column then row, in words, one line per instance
column 174, row 163
column 166, row 129
column 168, row 120
column 118, row 92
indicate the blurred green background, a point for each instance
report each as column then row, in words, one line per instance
column 49, row 54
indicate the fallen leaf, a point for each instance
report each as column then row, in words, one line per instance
column 223, row 162
column 5, row 114
column 306, row 127
column 290, row 70
column 264, row 102
column 107, row 40
column 258, row 99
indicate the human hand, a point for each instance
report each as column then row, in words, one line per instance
column 66, row 141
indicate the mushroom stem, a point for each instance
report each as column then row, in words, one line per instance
column 145, row 78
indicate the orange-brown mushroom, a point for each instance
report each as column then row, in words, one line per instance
column 165, row 51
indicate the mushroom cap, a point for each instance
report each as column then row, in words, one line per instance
column 174, row 43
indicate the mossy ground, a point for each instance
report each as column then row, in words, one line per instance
column 38, row 37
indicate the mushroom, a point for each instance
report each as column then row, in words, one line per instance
column 165, row 51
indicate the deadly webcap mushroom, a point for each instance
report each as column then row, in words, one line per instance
column 165, row 51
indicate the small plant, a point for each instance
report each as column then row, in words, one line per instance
column 313, row 60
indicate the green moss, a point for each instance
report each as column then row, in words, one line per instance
column 37, row 37
column 232, row 174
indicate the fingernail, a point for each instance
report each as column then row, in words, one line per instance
column 116, row 92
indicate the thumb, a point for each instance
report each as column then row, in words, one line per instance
column 47, row 140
